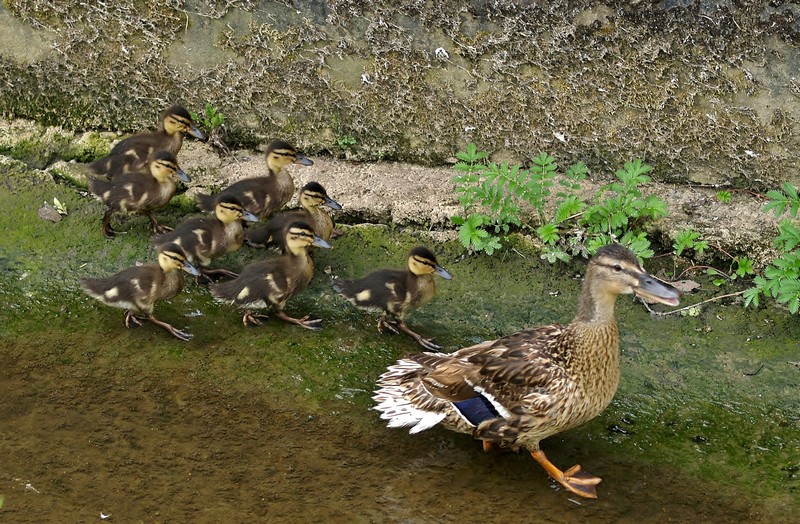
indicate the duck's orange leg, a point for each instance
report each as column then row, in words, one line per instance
column 574, row 479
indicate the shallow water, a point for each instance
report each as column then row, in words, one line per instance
column 274, row 423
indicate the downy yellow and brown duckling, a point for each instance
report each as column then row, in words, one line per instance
column 135, row 152
column 206, row 238
column 395, row 292
column 136, row 192
column 274, row 281
column 137, row 289
column 263, row 195
column 519, row 389
column 312, row 197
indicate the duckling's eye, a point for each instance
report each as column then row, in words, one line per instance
column 617, row 267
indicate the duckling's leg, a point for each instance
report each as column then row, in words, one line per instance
column 130, row 318
column 427, row 343
column 386, row 324
column 157, row 228
column 219, row 271
column 107, row 231
column 249, row 318
column 177, row 333
column 314, row 324
column 574, row 479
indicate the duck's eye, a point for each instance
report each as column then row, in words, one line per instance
column 617, row 267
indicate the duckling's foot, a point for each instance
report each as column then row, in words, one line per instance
column 574, row 479
column 386, row 324
column 427, row 343
column 314, row 324
column 130, row 318
column 177, row 333
column 160, row 229
column 252, row 319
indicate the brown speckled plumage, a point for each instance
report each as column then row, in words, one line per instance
column 263, row 195
column 519, row 389
column 136, row 152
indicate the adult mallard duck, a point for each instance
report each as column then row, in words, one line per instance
column 137, row 289
column 273, row 282
column 395, row 292
column 136, row 192
column 206, row 238
column 519, row 389
column 263, row 195
column 312, row 197
column 135, row 152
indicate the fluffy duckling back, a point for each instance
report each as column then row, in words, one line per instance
column 135, row 152
column 312, row 197
column 206, row 238
column 136, row 192
column 522, row 388
column 137, row 289
column 263, row 195
column 273, row 282
column 394, row 292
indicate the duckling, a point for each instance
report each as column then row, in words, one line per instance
column 205, row 238
column 312, row 197
column 263, row 195
column 135, row 152
column 137, row 289
column 396, row 292
column 519, row 389
column 274, row 281
column 135, row 192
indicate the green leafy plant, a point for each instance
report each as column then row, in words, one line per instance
column 724, row 196
column 346, row 142
column 210, row 118
column 781, row 279
column 740, row 267
column 498, row 197
column 689, row 239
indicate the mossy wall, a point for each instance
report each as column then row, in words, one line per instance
column 704, row 90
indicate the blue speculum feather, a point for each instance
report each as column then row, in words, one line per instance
column 477, row 409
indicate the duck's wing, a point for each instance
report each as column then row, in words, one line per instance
column 513, row 381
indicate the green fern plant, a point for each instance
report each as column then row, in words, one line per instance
column 781, row 279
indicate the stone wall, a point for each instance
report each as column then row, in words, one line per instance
column 707, row 91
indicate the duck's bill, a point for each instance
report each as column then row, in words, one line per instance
column 249, row 217
column 442, row 272
column 652, row 290
column 195, row 132
column 319, row 242
column 189, row 268
column 331, row 203
column 182, row 176
column 304, row 160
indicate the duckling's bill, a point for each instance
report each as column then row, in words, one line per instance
column 320, row 242
column 182, row 176
column 442, row 272
column 331, row 203
column 195, row 132
column 248, row 216
column 189, row 268
column 304, row 161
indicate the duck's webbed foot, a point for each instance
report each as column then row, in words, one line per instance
column 574, row 479
column 252, row 319
column 314, row 324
